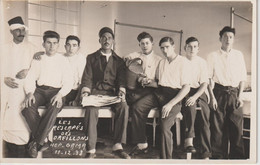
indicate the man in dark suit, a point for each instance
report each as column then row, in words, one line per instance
column 104, row 74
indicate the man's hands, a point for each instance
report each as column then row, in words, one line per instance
column 10, row 82
column 144, row 81
column 57, row 99
column 37, row 55
column 239, row 102
column 166, row 110
column 191, row 101
column 22, row 74
column 29, row 100
column 213, row 104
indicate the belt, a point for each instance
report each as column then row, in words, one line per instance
column 44, row 87
column 227, row 89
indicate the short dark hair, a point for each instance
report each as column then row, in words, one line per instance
column 50, row 34
column 227, row 29
column 166, row 39
column 191, row 39
column 144, row 35
column 72, row 37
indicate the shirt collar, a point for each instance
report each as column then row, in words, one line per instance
column 99, row 54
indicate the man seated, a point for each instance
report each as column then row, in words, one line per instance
column 104, row 74
column 47, row 82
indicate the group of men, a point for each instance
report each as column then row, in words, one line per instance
column 173, row 84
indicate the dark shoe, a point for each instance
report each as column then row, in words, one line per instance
column 137, row 151
column 90, row 155
column 32, row 149
column 121, row 154
column 190, row 149
column 45, row 146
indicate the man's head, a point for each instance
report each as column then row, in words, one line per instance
column 51, row 42
column 226, row 36
column 72, row 45
column 191, row 47
column 106, row 38
column 145, row 42
column 167, row 46
column 17, row 29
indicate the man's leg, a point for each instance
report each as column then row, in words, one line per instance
column 205, row 128
column 166, row 133
column 235, row 123
column 90, row 126
column 189, row 115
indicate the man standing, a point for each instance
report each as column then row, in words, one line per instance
column 104, row 74
column 47, row 82
column 16, row 58
column 173, row 80
column 227, row 70
column 196, row 98
column 150, row 62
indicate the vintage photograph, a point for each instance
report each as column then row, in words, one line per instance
column 147, row 81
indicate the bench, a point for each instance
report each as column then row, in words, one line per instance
column 105, row 112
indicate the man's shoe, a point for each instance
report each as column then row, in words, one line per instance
column 190, row 149
column 90, row 155
column 32, row 149
column 137, row 151
column 45, row 146
column 121, row 154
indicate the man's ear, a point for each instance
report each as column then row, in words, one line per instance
column 185, row 47
column 43, row 44
column 99, row 40
column 220, row 39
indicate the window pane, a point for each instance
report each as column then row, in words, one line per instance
column 34, row 1
column 62, row 4
column 73, row 30
column 74, row 6
column 34, row 11
column 48, row 3
column 73, row 18
column 46, row 13
column 61, row 16
column 62, row 30
column 46, row 26
column 34, row 27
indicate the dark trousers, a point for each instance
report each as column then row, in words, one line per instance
column 41, row 126
column 141, row 109
column 91, row 120
column 11, row 150
column 70, row 97
column 226, row 124
column 189, row 117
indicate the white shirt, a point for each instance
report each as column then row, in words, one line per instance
column 14, row 58
column 227, row 68
column 77, row 63
column 150, row 62
column 174, row 74
column 54, row 71
column 199, row 72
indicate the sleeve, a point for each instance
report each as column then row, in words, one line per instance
column 186, row 70
column 204, row 72
column 87, row 77
column 32, row 77
column 121, row 74
column 210, row 64
column 243, row 68
column 67, row 80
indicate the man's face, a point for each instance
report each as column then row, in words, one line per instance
column 72, row 47
column 51, row 46
column 146, row 45
column 192, row 48
column 167, row 49
column 106, row 41
column 18, row 34
column 227, row 39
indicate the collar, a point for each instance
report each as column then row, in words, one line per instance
column 99, row 54
column 222, row 52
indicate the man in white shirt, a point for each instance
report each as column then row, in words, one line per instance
column 150, row 61
column 16, row 57
column 77, row 61
column 196, row 98
column 173, row 80
column 227, row 70
column 47, row 82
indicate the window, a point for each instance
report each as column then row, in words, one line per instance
column 60, row 16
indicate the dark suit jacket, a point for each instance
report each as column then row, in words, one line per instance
column 104, row 77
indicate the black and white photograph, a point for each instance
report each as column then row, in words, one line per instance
column 128, row 82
